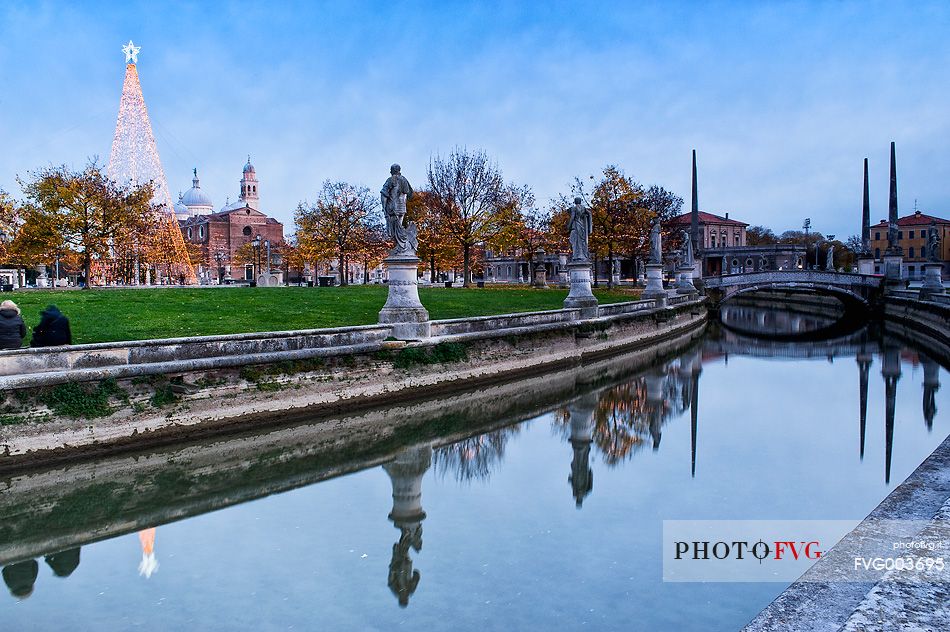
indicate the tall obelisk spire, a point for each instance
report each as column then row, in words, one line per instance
column 694, row 213
column 866, row 214
column 892, row 205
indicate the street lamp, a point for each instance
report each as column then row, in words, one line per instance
column 806, row 225
column 219, row 257
column 256, row 244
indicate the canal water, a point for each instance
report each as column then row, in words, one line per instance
column 552, row 522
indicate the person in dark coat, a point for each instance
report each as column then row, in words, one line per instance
column 53, row 329
column 12, row 329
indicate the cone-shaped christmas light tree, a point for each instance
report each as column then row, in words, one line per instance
column 134, row 160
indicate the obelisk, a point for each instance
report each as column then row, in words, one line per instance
column 866, row 257
column 694, row 227
column 893, row 256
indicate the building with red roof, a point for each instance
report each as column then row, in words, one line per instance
column 913, row 237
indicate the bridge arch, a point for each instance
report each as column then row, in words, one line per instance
column 855, row 291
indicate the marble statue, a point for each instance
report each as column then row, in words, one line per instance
column 656, row 243
column 933, row 243
column 396, row 190
column 581, row 226
column 688, row 259
column 830, row 258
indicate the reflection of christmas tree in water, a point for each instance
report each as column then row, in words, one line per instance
column 149, row 564
column 134, row 160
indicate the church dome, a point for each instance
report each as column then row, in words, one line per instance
column 181, row 211
column 195, row 199
column 248, row 168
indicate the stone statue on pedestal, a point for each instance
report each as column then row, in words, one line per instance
column 656, row 243
column 580, row 296
column 396, row 190
column 933, row 243
column 830, row 258
column 581, row 226
column 687, row 250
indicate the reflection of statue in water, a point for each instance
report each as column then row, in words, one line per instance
column 687, row 251
column 403, row 580
column 20, row 578
column 581, row 415
column 656, row 245
column 395, row 192
column 406, row 472
column 581, row 226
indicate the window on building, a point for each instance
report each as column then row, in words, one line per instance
column 910, row 252
column 247, row 231
column 877, row 253
column 189, row 233
column 877, row 235
column 201, row 233
column 910, row 235
column 900, row 234
column 713, row 237
column 255, row 188
column 910, row 270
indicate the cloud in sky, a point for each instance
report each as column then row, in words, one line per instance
column 781, row 101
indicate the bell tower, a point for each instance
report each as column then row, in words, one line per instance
column 249, row 186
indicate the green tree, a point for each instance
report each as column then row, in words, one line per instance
column 760, row 236
column 334, row 225
column 471, row 201
column 84, row 211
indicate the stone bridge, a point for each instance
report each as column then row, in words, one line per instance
column 854, row 290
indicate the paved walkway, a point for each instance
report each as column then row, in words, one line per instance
column 832, row 596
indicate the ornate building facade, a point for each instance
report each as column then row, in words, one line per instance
column 723, row 248
column 220, row 235
column 913, row 234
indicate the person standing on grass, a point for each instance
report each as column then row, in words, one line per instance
column 12, row 328
column 53, row 329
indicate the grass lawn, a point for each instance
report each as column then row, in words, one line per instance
column 104, row 315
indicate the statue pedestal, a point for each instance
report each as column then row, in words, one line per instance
column 270, row 279
column 581, row 297
column 892, row 269
column 403, row 309
column 42, row 280
column 684, row 283
column 865, row 264
column 933, row 281
column 654, row 288
column 540, row 277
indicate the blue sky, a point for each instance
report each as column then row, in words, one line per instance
column 781, row 100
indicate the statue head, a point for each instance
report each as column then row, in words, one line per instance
column 577, row 201
column 395, row 170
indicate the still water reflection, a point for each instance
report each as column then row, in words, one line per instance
column 551, row 522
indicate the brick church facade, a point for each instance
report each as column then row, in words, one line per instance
column 220, row 235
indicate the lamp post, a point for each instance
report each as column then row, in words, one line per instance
column 256, row 244
column 806, row 225
column 267, row 245
column 219, row 257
